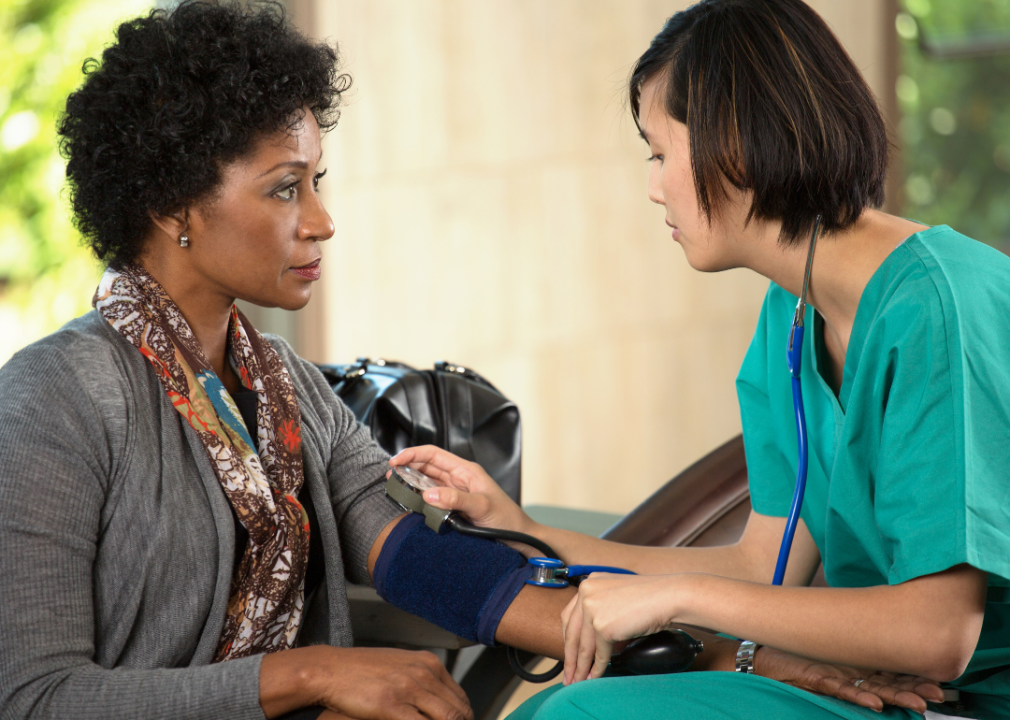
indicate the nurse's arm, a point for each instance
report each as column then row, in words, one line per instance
column 468, row 489
column 752, row 557
column 533, row 622
column 927, row 626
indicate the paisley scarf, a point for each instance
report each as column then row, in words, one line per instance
column 265, row 603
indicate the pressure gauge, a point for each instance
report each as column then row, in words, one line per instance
column 406, row 487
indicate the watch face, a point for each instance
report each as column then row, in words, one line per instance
column 416, row 480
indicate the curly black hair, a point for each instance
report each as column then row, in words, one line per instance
column 177, row 96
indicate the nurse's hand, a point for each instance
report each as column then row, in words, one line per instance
column 466, row 488
column 876, row 689
column 608, row 609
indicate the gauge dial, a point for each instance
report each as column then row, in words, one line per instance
column 417, row 480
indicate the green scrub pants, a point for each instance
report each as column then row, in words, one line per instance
column 691, row 696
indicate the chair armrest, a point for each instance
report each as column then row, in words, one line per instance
column 706, row 495
column 587, row 522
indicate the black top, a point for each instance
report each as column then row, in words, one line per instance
column 246, row 401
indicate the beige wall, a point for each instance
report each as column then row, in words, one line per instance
column 488, row 189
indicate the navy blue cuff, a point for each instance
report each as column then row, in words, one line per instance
column 461, row 583
column 390, row 548
column 499, row 601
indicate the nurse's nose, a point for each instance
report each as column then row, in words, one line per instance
column 655, row 182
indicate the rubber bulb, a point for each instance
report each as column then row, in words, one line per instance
column 669, row 651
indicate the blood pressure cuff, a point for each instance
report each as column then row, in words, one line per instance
column 463, row 584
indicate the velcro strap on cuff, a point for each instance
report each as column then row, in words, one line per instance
column 463, row 584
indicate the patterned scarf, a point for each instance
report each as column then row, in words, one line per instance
column 265, row 605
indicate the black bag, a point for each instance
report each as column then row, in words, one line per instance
column 451, row 407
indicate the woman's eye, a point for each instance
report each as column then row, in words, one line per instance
column 653, row 158
column 316, row 178
column 287, row 193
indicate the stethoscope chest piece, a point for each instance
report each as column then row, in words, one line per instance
column 406, row 487
column 548, row 572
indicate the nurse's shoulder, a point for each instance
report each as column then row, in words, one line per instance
column 970, row 281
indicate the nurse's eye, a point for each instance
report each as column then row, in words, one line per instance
column 653, row 158
column 315, row 180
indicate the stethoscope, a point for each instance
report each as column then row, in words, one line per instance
column 664, row 652
column 794, row 354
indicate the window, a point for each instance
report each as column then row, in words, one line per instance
column 954, row 93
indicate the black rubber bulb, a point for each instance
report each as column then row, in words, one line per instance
column 669, row 651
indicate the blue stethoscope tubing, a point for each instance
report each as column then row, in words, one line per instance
column 794, row 355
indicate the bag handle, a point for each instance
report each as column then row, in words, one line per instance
column 360, row 368
column 449, row 367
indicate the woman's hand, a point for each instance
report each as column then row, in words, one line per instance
column 876, row 689
column 383, row 683
column 466, row 489
column 364, row 683
column 608, row 609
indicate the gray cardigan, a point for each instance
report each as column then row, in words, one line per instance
column 117, row 542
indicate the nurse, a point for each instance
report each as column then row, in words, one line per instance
column 757, row 122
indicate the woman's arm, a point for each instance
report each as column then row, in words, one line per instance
column 470, row 491
column 64, row 447
column 928, row 626
column 875, row 690
column 361, row 682
column 66, row 422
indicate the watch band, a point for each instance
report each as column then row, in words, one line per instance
column 745, row 656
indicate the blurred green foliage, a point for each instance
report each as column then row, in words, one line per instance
column 46, row 275
column 955, row 129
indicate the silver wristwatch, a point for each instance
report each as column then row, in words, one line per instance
column 745, row 656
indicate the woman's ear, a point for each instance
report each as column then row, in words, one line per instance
column 174, row 225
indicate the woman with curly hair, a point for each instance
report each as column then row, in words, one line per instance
column 176, row 490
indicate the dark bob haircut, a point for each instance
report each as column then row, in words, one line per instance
column 178, row 95
column 774, row 105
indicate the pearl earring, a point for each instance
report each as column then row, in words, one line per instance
column 184, row 241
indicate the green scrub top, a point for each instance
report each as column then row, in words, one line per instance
column 909, row 470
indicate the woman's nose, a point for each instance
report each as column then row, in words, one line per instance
column 316, row 224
